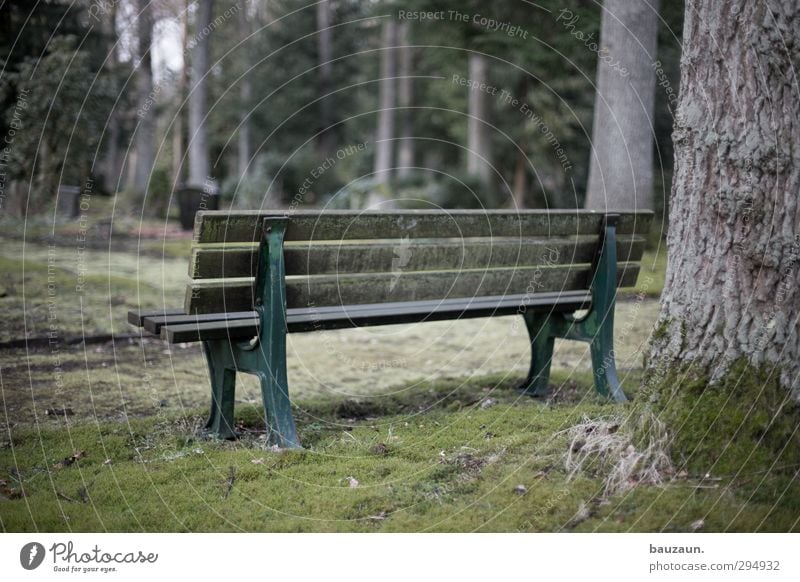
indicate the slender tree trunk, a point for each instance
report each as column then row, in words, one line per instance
column 145, row 114
column 326, row 140
column 405, row 96
column 245, row 94
column 621, row 167
column 733, row 282
column 112, row 166
column 178, row 126
column 199, row 167
column 479, row 162
column 520, row 185
column 384, row 143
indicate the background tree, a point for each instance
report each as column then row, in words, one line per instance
column 479, row 151
column 724, row 369
column 199, row 166
column 405, row 100
column 325, row 140
column 387, row 101
column 144, row 152
column 621, row 165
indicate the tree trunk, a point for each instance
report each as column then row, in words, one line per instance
column 145, row 114
column 405, row 96
column 245, row 95
column 520, row 185
column 112, row 166
column 178, row 126
column 325, row 141
column 621, row 167
column 732, row 291
column 199, row 167
column 384, row 142
column 479, row 161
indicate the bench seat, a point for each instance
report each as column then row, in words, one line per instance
column 175, row 326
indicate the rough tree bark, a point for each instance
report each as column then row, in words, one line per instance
column 405, row 98
column 732, row 291
column 145, row 143
column 621, row 166
column 479, row 162
column 199, row 167
column 384, row 146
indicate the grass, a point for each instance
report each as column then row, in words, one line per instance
column 443, row 454
column 436, row 459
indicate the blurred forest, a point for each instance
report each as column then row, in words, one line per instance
column 287, row 103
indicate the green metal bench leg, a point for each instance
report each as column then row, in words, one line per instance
column 604, row 368
column 278, row 411
column 601, row 325
column 271, row 367
column 223, row 389
column 542, row 342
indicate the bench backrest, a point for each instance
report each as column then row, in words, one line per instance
column 349, row 257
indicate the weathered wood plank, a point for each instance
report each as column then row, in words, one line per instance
column 418, row 255
column 153, row 324
column 236, row 294
column 339, row 317
column 137, row 317
column 243, row 226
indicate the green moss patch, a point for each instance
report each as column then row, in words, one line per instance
column 742, row 428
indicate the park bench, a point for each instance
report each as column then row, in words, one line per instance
column 256, row 276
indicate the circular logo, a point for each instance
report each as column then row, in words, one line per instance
column 31, row 555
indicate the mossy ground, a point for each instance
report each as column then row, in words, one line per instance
column 446, row 453
column 436, row 459
column 742, row 427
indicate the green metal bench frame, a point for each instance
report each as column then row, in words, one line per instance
column 265, row 355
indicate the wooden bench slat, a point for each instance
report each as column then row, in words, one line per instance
column 153, row 324
column 428, row 255
column 243, row 226
column 136, row 317
column 236, row 294
column 313, row 319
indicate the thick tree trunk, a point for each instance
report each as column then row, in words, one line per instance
column 199, row 167
column 621, row 167
column 384, row 143
column 145, row 114
column 405, row 97
column 479, row 161
column 326, row 140
column 245, row 95
column 733, row 282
